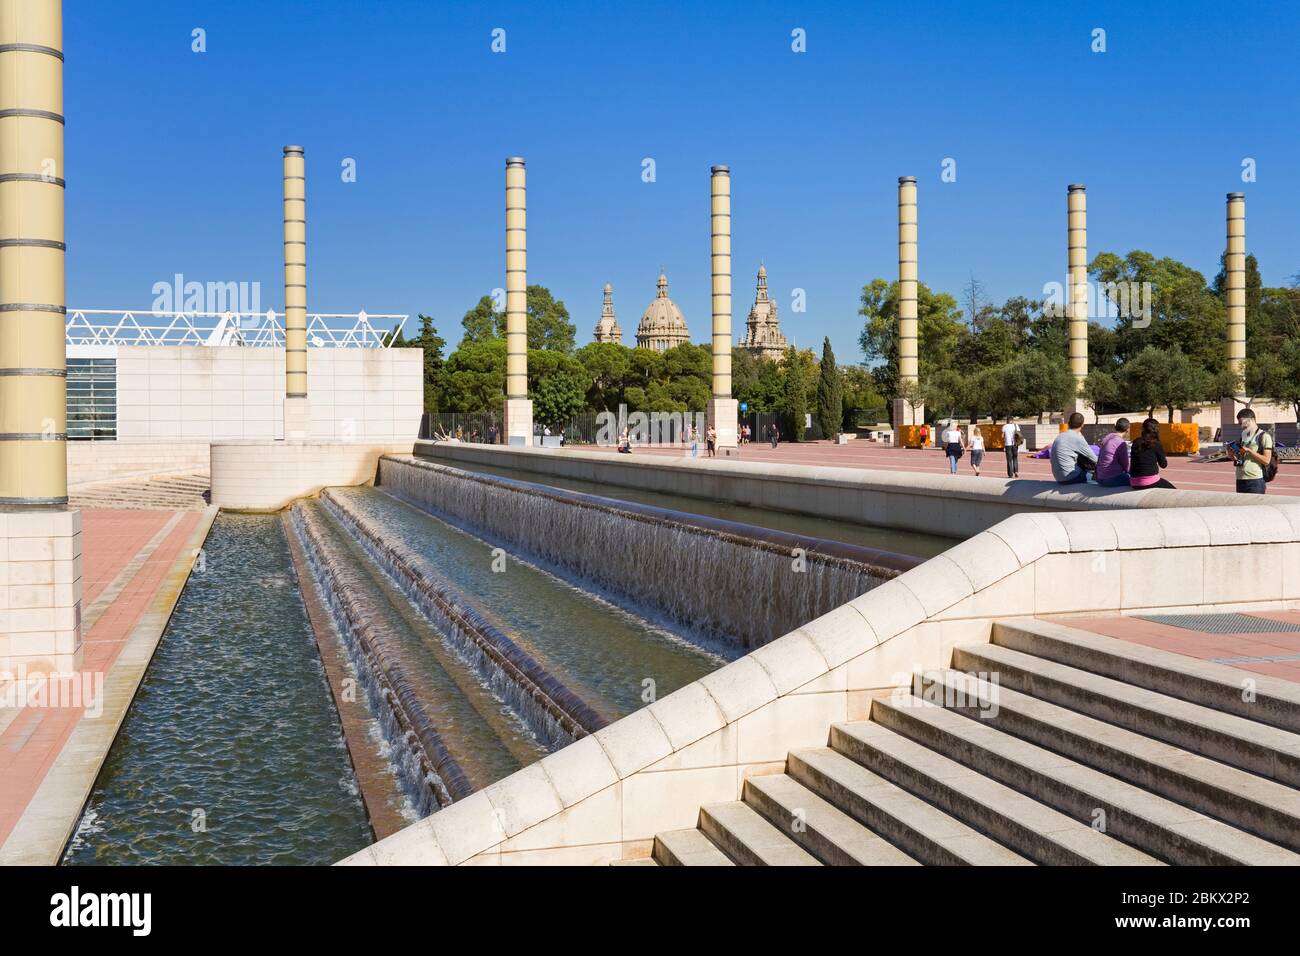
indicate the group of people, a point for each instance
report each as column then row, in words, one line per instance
column 1116, row 462
column 1138, row 464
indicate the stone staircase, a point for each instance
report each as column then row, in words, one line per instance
column 1048, row 745
column 173, row 492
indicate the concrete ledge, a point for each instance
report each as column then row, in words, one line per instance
column 268, row 476
column 956, row 506
column 92, row 461
column 655, row 768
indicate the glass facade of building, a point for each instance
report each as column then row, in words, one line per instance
column 92, row 399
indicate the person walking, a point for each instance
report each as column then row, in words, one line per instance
column 1011, row 442
column 1253, row 455
column 695, row 442
column 1147, row 457
column 976, row 450
column 1072, row 456
column 1112, row 459
column 711, row 441
column 925, row 435
column 954, row 444
column 774, row 433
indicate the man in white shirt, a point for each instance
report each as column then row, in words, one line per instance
column 1011, row 439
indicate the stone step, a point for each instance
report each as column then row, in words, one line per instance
column 1162, row 827
column 644, row 861
column 687, row 848
column 1227, row 738
column 1252, row 803
column 1013, row 819
column 1258, row 697
column 919, row 829
column 829, row 834
column 738, row 830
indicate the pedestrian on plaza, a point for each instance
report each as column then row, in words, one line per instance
column 774, row 433
column 976, row 449
column 1072, row 457
column 1012, row 439
column 924, row 434
column 711, row 441
column 1147, row 457
column 1112, row 459
column 954, row 445
column 1254, row 456
column 695, row 442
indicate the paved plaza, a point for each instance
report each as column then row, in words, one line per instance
column 1186, row 474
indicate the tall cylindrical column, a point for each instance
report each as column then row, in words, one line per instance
column 516, row 280
column 907, row 276
column 44, row 638
column 1235, row 266
column 721, row 239
column 518, row 409
column 295, row 274
column 1077, row 303
column 722, row 410
column 33, row 375
column 907, row 410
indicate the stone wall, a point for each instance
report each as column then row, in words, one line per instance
column 268, row 476
column 604, row 797
column 955, row 506
column 221, row 393
column 110, row 460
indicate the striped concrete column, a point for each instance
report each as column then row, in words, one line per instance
column 1235, row 268
column 40, row 538
column 722, row 410
column 296, row 417
column 908, row 368
column 33, row 398
column 1077, row 301
column 518, row 408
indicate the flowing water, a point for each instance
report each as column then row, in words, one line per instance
column 914, row 543
column 614, row 660
column 231, row 752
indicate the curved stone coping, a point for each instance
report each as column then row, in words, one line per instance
column 876, row 561
column 410, row 714
column 574, row 716
column 1028, row 564
column 1022, row 492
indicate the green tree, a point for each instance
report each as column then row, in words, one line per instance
column 862, row 403
column 830, row 395
column 557, row 384
column 1033, row 384
column 609, row 366
column 938, row 327
column 796, row 394
column 1100, row 390
column 474, row 377
column 548, row 322
column 433, row 344
column 1163, row 378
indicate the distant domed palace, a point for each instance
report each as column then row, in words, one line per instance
column 662, row 326
column 607, row 329
column 763, row 336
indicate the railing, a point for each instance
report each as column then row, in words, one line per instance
column 249, row 329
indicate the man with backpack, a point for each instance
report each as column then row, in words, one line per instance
column 1254, row 456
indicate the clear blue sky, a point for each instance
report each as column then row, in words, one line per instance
column 173, row 157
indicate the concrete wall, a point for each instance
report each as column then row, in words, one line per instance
column 200, row 393
column 268, row 476
column 110, row 460
column 604, row 797
column 957, row 506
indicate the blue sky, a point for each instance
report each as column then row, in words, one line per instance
column 173, row 157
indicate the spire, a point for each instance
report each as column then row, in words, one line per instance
column 607, row 329
column 761, row 291
column 663, row 284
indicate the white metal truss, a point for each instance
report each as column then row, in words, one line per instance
column 250, row 329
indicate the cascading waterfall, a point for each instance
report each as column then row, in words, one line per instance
column 430, row 774
column 720, row 580
column 552, row 712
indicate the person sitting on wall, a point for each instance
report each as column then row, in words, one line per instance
column 1072, row 457
column 1112, row 458
column 1147, row 458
